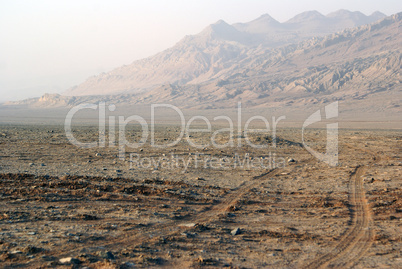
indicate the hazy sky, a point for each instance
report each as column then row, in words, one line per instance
column 50, row 46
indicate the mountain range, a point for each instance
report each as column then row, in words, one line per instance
column 199, row 58
column 309, row 59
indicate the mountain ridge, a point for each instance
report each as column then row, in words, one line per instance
column 201, row 57
column 360, row 66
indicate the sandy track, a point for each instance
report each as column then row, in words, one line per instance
column 359, row 237
column 232, row 198
column 159, row 231
column 208, row 215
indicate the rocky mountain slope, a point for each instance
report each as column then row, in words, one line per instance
column 219, row 47
column 360, row 66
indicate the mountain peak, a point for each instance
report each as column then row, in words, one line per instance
column 266, row 18
column 221, row 30
column 262, row 25
column 220, row 23
column 344, row 13
column 355, row 18
column 377, row 15
column 340, row 12
column 306, row 16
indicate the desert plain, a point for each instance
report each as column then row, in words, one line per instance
column 181, row 207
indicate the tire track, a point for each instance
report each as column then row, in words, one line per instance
column 204, row 217
column 162, row 230
column 233, row 197
column 355, row 243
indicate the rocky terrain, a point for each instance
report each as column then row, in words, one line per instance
column 85, row 208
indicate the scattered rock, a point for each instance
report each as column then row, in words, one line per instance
column 5, row 257
column 69, row 260
column 128, row 265
column 232, row 208
column 31, row 249
column 188, row 225
column 89, row 217
column 48, row 258
column 291, row 160
column 106, row 255
column 189, row 235
column 109, row 255
column 156, row 260
column 208, row 261
column 235, row 231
